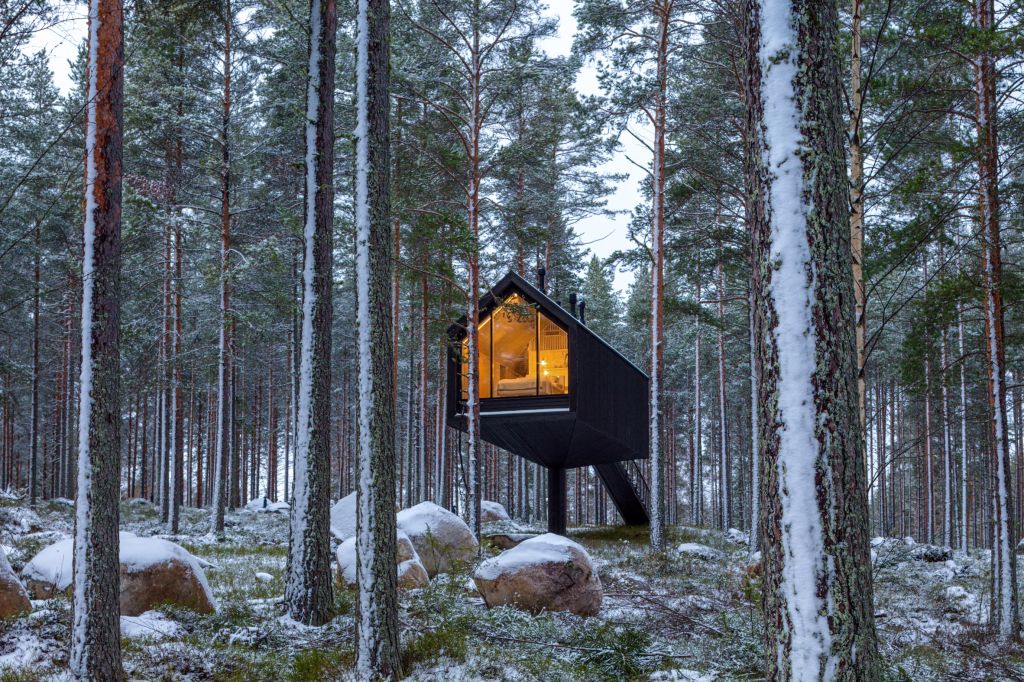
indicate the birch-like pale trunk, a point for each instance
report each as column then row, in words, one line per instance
column 95, row 633
column 377, row 639
column 818, row 610
column 309, row 583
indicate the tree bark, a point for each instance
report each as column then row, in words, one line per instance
column 1005, row 615
column 225, row 395
column 663, row 15
column 96, row 637
column 818, row 610
column 308, row 591
column 377, row 640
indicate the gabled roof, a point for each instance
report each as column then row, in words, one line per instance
column 512, row 282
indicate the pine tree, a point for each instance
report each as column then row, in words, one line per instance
column 818, row 610
column 95, row 636
column 377, row 643
column 308, row 590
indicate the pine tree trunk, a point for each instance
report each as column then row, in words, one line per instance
column 857, row 203
column 308, row 590
column 377, row 641
column 95, row 636
column 663, row 14
column 219, row 499
column 723, row 453
column 817, row 570
column 1005, row 615
column 697, row 463
column 755, row 447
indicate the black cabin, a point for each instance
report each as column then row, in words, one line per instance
column 554, row 392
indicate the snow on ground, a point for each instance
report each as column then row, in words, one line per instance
column 671, row 617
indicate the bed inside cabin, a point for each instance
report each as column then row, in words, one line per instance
column 523, row 353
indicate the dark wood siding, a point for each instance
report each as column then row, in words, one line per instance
column 611, row 395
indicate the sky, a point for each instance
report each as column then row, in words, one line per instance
column 602, row 235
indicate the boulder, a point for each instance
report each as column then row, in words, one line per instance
column 411, row 572
column 545, row 573
column 932, row 553
column 13, row 597
column 493, row 512
column 343, row 517
column 412, row 575
column 508, row 540
column 699, row 551
column 737, row 536
column 440, row 537
column 265, row 505
column 153, row 571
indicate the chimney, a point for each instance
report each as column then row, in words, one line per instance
column 583, row 311
column 540, row 278
column 572, row 304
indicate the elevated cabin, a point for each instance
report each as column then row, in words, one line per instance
column 554, row 392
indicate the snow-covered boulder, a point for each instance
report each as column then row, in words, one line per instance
column 493, row 512
column 411, row 572
column 736, row 536
column 153, row 571
column 960, row 601
column 545, row 573
column 440, row 537
column 13, row 597
column 698, row 551
column 264, row 504
column 932, row 553
column 508, row 540
column 343, row 517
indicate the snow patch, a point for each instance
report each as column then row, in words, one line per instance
column 152, row 625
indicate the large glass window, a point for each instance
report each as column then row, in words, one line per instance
column 522, row 353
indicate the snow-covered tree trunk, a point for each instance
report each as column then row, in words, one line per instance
column 377, row 640
column 929, row 487
column 473, row 320
column 755, row 435
column 308, row 587
column 33, row 447
column 95, row 634
column 947, row 451
column 1005, row 616
column 819, row 622
column 225, row 394
column 723, row 441
column 663, row 13
column 696, row 466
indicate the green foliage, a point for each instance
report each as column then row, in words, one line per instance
column 613, row 652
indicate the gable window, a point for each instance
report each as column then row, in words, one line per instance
column 523, row 353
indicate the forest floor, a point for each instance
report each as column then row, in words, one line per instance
column 688, row 615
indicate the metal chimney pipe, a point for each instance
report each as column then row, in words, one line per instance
column 540, row 278
column 583, row 311
column 572, row 304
